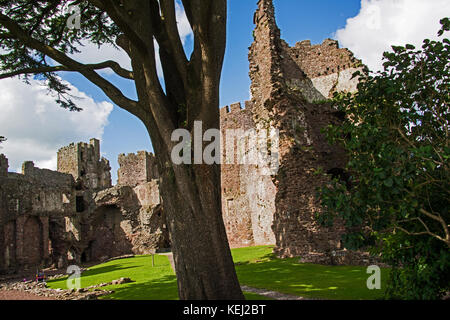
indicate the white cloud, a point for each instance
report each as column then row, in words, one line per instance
column 91, row 53
column 36, row 127
column 184, row 28
column 383, row 23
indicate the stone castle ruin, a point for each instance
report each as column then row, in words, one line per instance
column 289, row 88
column 74, row 214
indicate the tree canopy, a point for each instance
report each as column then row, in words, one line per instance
column 397, row 139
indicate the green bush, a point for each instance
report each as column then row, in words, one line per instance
column 396, row 136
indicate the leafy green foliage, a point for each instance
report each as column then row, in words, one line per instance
column 46, row 21
column 397, row 138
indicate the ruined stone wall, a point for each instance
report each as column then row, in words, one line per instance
column 237, row 217
column 329, row 67
column 141, row 224
column 282, row 94
column 3, row 165
column 247, row 195
column 137, row 168
column 55, row 218
column 28, row 202
column 45, row 176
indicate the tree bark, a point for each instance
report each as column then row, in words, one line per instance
column 192, row 204
column 203, row 262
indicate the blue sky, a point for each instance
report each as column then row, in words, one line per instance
column 297, row 19
column 36, row 128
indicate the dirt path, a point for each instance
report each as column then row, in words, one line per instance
column 273, row 294
column 20, row 295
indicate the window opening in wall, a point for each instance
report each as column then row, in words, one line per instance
column 79, row 204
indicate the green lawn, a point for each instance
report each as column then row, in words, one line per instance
column 255, row 266
column 151, row 282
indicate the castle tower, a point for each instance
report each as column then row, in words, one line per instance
column 137, row 168
column 281, row 97
column 83, row 162
column 264, row 57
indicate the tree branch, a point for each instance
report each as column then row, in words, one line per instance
column 108, row 88
column 427, row 232
column 44, row 69
column 171, row 40
column 439, row 219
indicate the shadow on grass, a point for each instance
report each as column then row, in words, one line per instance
column 163, row 288
column 96, row 271
column 105, row 269
column 256, row 267
column 308, row 280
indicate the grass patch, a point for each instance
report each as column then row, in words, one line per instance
column 151, row 282
column 256, row 267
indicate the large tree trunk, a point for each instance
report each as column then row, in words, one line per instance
column 192, row 203
column 191, row 194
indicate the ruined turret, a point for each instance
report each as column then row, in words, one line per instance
column 137, row 168
column 265, row 58
column 289, row 87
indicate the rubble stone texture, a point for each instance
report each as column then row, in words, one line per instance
column 289, row 88
column 74, row 215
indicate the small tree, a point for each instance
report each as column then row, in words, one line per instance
column 397, row 139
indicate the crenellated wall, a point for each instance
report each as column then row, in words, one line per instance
column 137, row 168
column 83, row 162
column 56, row 218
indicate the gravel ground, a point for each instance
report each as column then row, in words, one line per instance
column 30, row 290
column 273, row 294
column 21, row 295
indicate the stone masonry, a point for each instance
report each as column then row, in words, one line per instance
column 289, row 89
